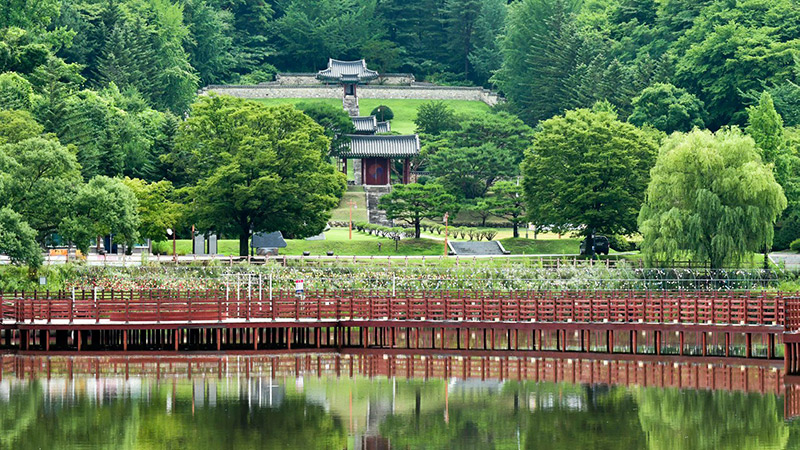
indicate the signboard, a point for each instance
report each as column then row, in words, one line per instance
column 298, row 286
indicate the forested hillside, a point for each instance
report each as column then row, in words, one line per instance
column 104, row 86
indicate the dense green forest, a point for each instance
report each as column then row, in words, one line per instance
column 94, row 95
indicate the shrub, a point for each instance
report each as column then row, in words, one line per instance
column 383, row 113
column 795, row 245
column 788, row 230
column 620, row 244
column 489, row 234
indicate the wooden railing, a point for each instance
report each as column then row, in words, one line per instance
column 697, row 307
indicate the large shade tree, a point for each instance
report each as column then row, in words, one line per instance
column 256, row 168
column 102, row 207
column 710, row 198
column 18, row 239
column 587, row 169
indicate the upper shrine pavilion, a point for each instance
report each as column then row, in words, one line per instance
column 371, row 149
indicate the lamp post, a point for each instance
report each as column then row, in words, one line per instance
column 351, row 205
column 174, row 252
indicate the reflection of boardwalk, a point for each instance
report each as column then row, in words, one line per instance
column 664, row 374
column 698, row 323
column 765, row 378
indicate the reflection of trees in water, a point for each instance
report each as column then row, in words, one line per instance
column 675, row 419
column 475, row 422
column 600, row 418
column 28, row 422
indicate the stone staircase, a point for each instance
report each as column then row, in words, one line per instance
column 471, row 248
column 350, row 104
column 375, row 215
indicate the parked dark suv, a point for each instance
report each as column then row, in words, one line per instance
column 600, row 245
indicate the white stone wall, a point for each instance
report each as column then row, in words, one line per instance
column 277, row 91
column 429, row 93
column 370, row 91
column 309, row 79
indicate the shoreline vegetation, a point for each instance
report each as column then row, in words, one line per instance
column 385, row 275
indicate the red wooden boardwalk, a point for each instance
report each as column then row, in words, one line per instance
column 681, row 322
column 156, row 306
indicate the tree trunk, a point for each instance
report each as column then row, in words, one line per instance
column 244, row 242
column 416, row 229
column 516, row 229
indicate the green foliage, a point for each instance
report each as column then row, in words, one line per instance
column 711, row 198
column 765, row 126
column 795, row 245
column 667, row 108
column 15, row 92
column 588, row 169
column 334, row 120
column 308, row 32
column 42, row 181
column 539, row 50
column 471, row 171
column 383, row 113
column 18, row 240
column 155, row 206
column 102, row 206
column 485, row 57
column 509, row 202
column 414, row 202
column 434, row 117
column 16, row 126
column 482, row 150
column 620, row 244
column 786, row 230
column 733, row 58
column 256, row 168
column 460, row 20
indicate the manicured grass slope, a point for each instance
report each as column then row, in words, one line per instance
column 520, row 246
column 342, row 213
column 404, row 109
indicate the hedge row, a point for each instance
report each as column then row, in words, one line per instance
column 382, row 231
column 474, row 234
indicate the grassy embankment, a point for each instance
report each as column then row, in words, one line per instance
column 404, row 109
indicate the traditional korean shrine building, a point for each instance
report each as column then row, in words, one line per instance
column 371, row 149
column 347, row 73
column 370, row 125
column 373, row 155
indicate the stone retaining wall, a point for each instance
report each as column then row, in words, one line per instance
column 305, row 79
column 275, row 90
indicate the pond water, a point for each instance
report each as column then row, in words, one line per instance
column 379, row 401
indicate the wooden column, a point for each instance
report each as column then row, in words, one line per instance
column 407, row 171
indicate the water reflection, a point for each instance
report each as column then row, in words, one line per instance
column 374, row 401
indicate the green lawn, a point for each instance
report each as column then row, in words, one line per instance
column 522, row 246
column 404, row 109
column 336, row 240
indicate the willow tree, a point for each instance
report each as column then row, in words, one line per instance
column 710, row 198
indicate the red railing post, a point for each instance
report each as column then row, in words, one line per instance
column 49, row 308
column 158, row 305
column 189, row 308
